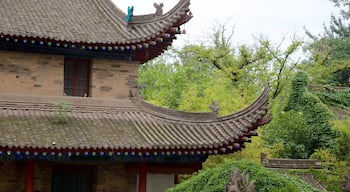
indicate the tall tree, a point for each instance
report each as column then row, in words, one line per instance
column 329, row 60
column 304, row 124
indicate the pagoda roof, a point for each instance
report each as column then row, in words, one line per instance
column 95, row 23
column 28, row 122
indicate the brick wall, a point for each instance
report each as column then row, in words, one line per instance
column 112, row 79
column 12, row 176
column 111, row 177
column 42, row 74
column 26, row 73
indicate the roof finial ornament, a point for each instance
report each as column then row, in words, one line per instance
column 159, row 8
column 130, row 14
column 215, row 107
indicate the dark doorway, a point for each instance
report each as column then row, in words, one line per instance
column 73, row 178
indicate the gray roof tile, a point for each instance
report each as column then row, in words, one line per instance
column 84, row 21
column 26, row 121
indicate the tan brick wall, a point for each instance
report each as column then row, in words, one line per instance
column 112, row 79
column 26, row 73
column 12, row 176
column 111, row 177
column 42, row 177
column 42, row 74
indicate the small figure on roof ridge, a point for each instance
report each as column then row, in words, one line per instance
column 215, row 107
column 130, row 14
column 159, row 8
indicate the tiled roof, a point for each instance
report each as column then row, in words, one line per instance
column 123, row 125
column 85, row 21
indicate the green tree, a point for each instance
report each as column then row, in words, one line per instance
column 329, row 60
column 304, row 124
column 282, row 64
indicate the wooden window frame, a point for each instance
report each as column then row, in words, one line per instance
column 75, row 79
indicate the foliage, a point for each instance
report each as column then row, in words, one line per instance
column 304, row 124
column 343, row 126
column 253, row 149
column 192, row 83
column 282, row 64
column 333, row 97
column 216, row 179
column 316, row 113
column 333, row 170
column 60, row 114
column 330, row 51
column 293, row 132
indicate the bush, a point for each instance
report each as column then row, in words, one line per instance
column 304, row 125
column 333, row 97
column 333, row 170
column 216, row 179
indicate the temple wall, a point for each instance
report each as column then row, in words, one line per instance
column 43, row 74
column 112, row 79
column 12, row 176
column 109, row 177
column 112, row 177
column 27, row 73
column 158, row 182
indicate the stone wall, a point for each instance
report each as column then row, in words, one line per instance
column 111, row 177
column 43, row 74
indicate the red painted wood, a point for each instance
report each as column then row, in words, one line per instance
column 29, row 179
column 142, row 177
column 176, row 179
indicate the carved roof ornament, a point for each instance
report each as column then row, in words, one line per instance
column 99, row 25
column 159, row 8
column 239, row 182
column 128, row 17
column 215, row 107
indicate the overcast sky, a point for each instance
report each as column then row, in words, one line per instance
column 272, row 18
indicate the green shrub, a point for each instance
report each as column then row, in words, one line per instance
column 333, row 170
column 338, row 98
column 304, row 124
column 216, row 179
column 343, row 125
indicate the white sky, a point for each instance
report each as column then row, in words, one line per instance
column 271, row 18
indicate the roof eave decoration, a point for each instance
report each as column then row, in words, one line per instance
column 147, row 36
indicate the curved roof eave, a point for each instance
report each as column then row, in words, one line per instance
column 94, row 22
column 261, row 103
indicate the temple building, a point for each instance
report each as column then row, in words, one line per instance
column 71, row 116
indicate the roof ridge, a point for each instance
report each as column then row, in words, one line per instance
column 262, row 100
column 177, row 115
column 148, row 18
column 77, row 102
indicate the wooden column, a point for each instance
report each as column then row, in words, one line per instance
column 142, row 177
column 29, row 179
column 176, row 179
